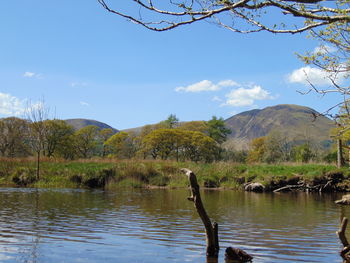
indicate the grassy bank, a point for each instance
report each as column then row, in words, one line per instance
column 114, row 174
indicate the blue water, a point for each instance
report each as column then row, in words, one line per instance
column 64, row 225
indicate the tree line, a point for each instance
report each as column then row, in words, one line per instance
column 197, row 141
column 169, row 139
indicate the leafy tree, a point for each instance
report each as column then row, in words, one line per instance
column 235, row 156
column 105, row 134
column 200, row 126
column 277, row 148
column 180, row 144
column 121, row 145
column 13, row 137
column 171, row 122
column 67, row 148
column 160, row 142
column 257, row 151
column 56, row 134
column 201, row 147
column 86, row 140
column 217, row 129
column 303, row 153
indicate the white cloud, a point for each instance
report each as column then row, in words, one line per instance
column 78, row 84
column 228, row 83
column 324, row 49
column 10, row 105
column 207, row 85
column 204, row 85
column 29, row 74
column 246, row 96
column 216, row 98
column 83, row 103
column 315, row 76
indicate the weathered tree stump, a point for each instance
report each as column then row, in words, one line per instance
column 345, row 252
column 211, row 230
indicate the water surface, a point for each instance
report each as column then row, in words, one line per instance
column 61, row 225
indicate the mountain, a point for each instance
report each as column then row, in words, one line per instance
column 298, row 123
column 81, row 123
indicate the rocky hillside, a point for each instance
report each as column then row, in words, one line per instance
column 80, row 123
column 298, row 123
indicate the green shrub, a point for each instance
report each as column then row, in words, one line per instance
column 23, row 176
column 159, row 180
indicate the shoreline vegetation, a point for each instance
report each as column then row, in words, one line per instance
column 113, row 174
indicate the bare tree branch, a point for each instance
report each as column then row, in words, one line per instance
column 311, row 13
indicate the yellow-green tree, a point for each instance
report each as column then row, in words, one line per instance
column 121, row 145
column 257, row 150
column 180, row 144
column 86, row 141
column 13, row 137
column 105, row 134
column 200, row 126
column 57, row 133
column 160, row 142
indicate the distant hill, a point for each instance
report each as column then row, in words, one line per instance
column 81, row 123
column 296, row 122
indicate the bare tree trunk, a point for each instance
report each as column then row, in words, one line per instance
column 344, row 253
column 38, row 165
column 211, row 230
column 340, row 159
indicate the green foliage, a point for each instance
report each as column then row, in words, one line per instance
column 105, row 134
column 110, row 175
column 23, row 176
column 180, row 144
column 120, row 145
column 85, row 141
column 199, row 126
column 303, row 153
column 258, row 149
column 217, row 129
column 14, row 135
column 277, row 148
column 57, row 135
column 171, row 122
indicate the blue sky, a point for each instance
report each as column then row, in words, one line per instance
column 87, row 63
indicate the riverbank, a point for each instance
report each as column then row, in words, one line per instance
column 110, row 174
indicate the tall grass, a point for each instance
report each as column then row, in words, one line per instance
column 101, row 173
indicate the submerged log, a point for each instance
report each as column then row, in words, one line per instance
column 237, row 255
column 344, row 201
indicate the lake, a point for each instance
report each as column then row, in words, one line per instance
column 159, row 225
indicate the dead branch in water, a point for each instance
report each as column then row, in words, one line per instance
column 211, row 229
column 344, row 253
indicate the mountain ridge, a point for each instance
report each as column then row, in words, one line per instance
column 81, row 123
column 298, row 123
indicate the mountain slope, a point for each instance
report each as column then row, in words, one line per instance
column 81, row 123
column 295, row 122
